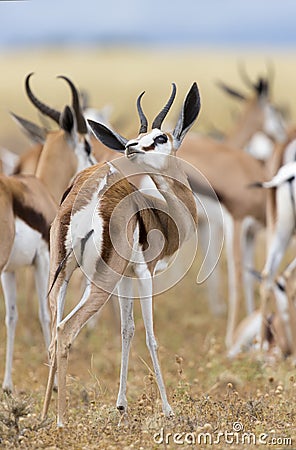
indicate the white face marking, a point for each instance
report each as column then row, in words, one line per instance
column 149, row 151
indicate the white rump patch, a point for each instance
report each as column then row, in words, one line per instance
column 27, row 243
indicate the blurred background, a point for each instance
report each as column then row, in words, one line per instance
column 113, row 50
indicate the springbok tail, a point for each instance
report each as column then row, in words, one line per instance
column 58, row 271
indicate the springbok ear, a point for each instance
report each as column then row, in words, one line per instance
column 68, row 121
column 230, row 91
column 108, row 137
column 33, row 131
column 262, row 88
column 189, row 113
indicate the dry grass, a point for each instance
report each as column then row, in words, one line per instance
column 207, row 391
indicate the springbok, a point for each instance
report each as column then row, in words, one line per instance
column 108, row 226
column 276, row 327
column 282, row 227
column 260, row 122
column 280, row 215
column 28, row 206
column 230, row 172
column 258, row 117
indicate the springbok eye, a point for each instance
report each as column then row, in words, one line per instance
column 162, row 139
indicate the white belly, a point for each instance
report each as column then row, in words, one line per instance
column 27, row 243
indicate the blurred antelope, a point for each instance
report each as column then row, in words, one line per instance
column 258, row 118
column 230, row 172
column 260, row 123
column 107, row 234
column 277, row 328
column 28, row 206
column 282, row 228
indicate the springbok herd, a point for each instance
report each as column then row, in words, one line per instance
column 76, row 199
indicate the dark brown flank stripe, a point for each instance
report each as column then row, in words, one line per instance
column 32, row 218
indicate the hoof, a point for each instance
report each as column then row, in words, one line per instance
column 7, row 390
column 169, row 414
column 121, row 409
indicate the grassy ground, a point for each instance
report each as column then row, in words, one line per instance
column 209, row 393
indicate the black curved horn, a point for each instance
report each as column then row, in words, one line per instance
column 50, row 112
column 161, row 116
column 244, row 76
column 81, row 122
column 143, row 119
column 261, row 86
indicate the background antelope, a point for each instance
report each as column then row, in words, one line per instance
column 282, row 229
column 28, row 206
column 273, row 331
column 230, row 172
